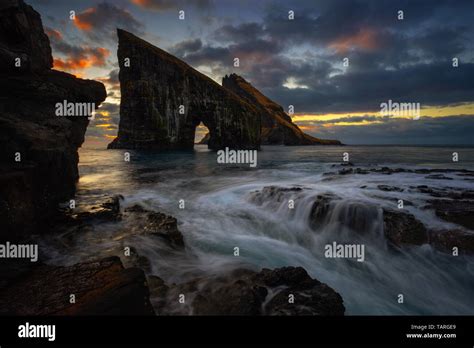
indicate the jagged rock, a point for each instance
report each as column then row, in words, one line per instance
column 438, row 177
column 22, row 36
column 136, row 209
column 447, row 240
column 164, row 226
column 275, row 194
column 460, row 212
column 388, row 188
column 448, row 192
column 245, row 292
column 346, row 171
column 403, row 228
column 277, row 126
column 154, row 87
column 136, row 260
column 109, row 210
column 158, row 224
column 101, row 287
column 320, row 210
column 31, row 189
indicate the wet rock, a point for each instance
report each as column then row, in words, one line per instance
column 346, row 171
column 136, row 260
column 403, row 228
column 469, row 174
column 155, row 86
column 274, row 194
column 136, row 209
column 447, row 240
column 108, row 210
column 245, row 292
column 349, row 170
column 357, row 216
column 447, row 192
column 438, row 177
column 430, row 190
column 433, row 173
column 388, row 188
column 101, row 287
column 460, row 212
column 320, row 210
column 158, row 224
column 384, row 170
column 164, row 226
column 361, row 171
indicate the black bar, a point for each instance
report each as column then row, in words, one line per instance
column 242, row 330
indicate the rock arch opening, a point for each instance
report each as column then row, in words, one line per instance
column 201, row 134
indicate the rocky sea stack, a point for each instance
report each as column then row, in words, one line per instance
column 38, row 150
column 163, row 100
column 277, row 126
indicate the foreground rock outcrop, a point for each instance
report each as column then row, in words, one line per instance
column 403, row 228
column 277, row 126
column 282, row 291
column 157, row 224
column 163, row 99
column 38, row 150
column 100, row 287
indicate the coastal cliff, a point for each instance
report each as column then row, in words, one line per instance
column 277, row 126
column 163, row 99
column 38, row 150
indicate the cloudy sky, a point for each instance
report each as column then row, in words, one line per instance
column 335, row 62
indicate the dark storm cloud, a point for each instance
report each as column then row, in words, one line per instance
column 241, row 32
column 409, row 60
column 441, row 42
column 186, row 47
column 101, row 22
column 361, row 91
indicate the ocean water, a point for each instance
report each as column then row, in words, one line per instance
column 224, row 210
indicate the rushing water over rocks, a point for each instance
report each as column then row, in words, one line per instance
column 407, row 251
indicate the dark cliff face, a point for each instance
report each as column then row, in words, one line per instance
column 30, row 189
column 154, row 87
column 22, row 35
column 277, row 126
